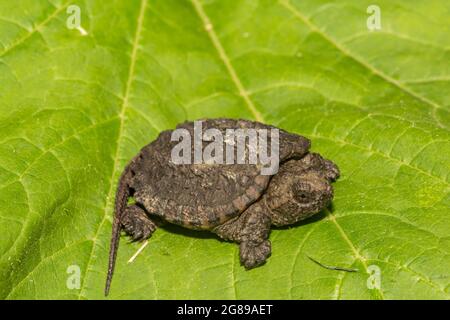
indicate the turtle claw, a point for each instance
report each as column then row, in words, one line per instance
column 137, row 224
column 254, row 254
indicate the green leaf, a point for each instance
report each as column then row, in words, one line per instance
column 77, row 104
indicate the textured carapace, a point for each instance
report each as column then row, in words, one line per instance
column 235, row 201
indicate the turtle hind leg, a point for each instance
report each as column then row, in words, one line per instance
column 251, row 230
column 136, row 223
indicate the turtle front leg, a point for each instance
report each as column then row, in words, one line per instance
column 136, row 223
column 251, row 230
column 254, row 254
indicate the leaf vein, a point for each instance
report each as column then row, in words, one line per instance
column 346, row 52
column 225, row 59
column 131, row 71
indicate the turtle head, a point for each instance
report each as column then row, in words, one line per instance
column 298, row 192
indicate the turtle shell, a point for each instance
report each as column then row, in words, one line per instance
column 202, row 196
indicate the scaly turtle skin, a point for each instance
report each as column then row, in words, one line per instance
column 235, row 201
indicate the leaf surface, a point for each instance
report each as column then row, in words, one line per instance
column 77, row 104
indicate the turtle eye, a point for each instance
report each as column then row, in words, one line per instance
column 302, row 192
column 303, row 197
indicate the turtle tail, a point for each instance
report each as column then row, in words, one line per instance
column 123, row 192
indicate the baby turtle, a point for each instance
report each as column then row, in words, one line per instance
column 235, row 201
